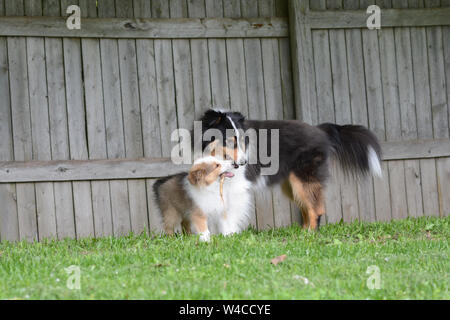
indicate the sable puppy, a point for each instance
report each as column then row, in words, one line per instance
column 200, row 203
column 304, row 151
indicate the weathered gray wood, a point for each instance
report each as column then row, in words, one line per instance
column 376, row 74
column 132, row 122
column 96, row 129
column 18, row 77
column 342, row 109
column 407, row 113
column 446, row 163
column 186, row 28
column 392, row 118
column 59, row 137
column 220, row 93
column 165, row 81
column 37, row 84
column 440, row 108
column 236, row 63
column 96, row 133
column 302, row 61
column 424, row 117
column 77, row 134
column 84, row 225
column 416, row 149
column 182, row 71
column 9, row 225
column 200, row 64
column 331, row 19
column 149, row 109
column 115, row 138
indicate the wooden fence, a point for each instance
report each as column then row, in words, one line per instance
column 86, row 115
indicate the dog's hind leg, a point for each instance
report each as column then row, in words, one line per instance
column 309, row 197
column 171, row 219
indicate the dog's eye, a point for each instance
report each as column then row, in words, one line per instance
column 217, row 165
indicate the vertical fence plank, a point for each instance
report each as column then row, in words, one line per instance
column 132, row 120
column 200, row 63
column 439, row 106
column 424, row 118
column 59, row 135
column 182, row 70
column 218, row 61
column 236, row 63
column 407, row 113
column 115, row 139
column 165, row 81
column 96, row 128
column 96, row 131
column 9, row 224
column 302, row 62
column 446, row 162
column 348, row 190
column 77, row 134
column 377, row 75
column 20, row 107
column 37, row 85
column 149, row 108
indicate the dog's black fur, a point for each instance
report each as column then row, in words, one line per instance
column 303, row 149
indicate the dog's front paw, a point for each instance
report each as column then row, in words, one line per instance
column 205, row 236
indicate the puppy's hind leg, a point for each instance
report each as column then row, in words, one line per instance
column 199, row 224
column 171, row 219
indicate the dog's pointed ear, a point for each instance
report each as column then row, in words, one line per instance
column 196, row 174
column 212, row 117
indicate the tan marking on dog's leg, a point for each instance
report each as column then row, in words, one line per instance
column 200, row 224
column 308, row 195
column 199, row 220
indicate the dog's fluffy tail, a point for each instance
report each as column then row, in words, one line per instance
column 356, row 148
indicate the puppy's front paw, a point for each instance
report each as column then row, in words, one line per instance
column 205, row 236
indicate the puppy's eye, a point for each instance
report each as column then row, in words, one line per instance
column 217, row 165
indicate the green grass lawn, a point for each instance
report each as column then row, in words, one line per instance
column 412, row 256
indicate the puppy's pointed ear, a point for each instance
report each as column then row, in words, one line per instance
column 196, row 175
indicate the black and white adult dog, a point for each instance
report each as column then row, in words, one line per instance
column 304, row 151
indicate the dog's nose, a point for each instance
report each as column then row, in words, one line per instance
column 235, row 165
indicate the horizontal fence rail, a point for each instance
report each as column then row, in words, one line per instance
column 80, row 170
column 340, row 19
column 179, row 28
column 114, row 169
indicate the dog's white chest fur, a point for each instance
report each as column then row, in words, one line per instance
column 230, row 214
